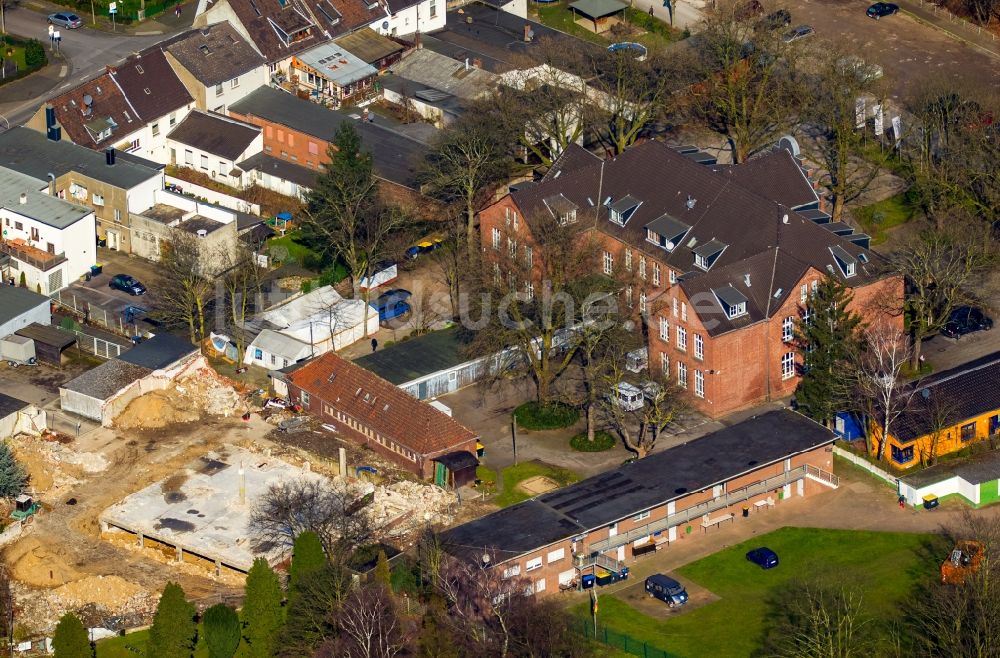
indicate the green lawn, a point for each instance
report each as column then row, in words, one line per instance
column 559, row 16
column 133, row 645
column 884, row 566
column 520, row 472
column 297, row 251
column 18, row 53
column 879, row 217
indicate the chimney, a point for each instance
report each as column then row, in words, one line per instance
column 477, row 63
column 50, row 117
column 202, row 233
column 52, row 177
column 24, row 198
column 466, row 63
column 527, row 32
column 784, row 219
column 109, row 156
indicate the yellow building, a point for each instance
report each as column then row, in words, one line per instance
column 946, row 412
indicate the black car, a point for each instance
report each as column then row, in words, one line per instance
column 125, row 283
column 880, row 9
column 966, row 320
column 775, row 20
column 763, row 557
column 666, row 589
column 800, row 32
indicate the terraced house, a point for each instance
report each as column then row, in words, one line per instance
column 719, row 260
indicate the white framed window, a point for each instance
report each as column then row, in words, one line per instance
column 434, row 9
column 664, row 328
column 533, row 563
column 188, row 157
column 506, row 216
column 803, row 293
column 642, row 303
column 234, row 83
column 676, row 306
column 118, row 215
column 788, row 365
column 609, row 262
column 156, row 129
column 204, row 162
column 529, row 290
column 641, row 516
column 682, row 374
column 642, row 267
column 218, row 89
column 568, row 217
column 540, row 583
column 673, row 277
column 496, row 238
column 510, row 572
column 628, row 295
column 528, row 256
column 511, row 247
column 304, row 398
column 556, row 555
column 699, row 383
column 656, row 274
column 664, row 364
column 788, row 329
column 682, row 338
column 97, row 199
column 684, row 311
column 628, row 260
column 699, row 347
column 736, row 310
column 815, row 284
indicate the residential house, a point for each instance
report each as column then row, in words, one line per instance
column 50, row 242
column 216, row 229
column 720, row 261
column 131, row 107
column 280, row 29
column 274, row 350
column 113, row 185
column 372, row 412
column 944, row 413
column 332, row 75
column 412, row 16
column 20, row 307
column 435, row 86
column 680, row 493
column 217, row 66
column 297, row 134
column 212, row 144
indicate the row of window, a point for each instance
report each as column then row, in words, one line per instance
column 233, row 84
column 364, row 430
column 608, row 266
column 535, row 563
column 156, row 126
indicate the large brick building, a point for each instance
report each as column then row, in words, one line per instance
column 677, row 495
column 720, row 260
column 377, row 414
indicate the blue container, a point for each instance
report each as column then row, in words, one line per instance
column 588, row 580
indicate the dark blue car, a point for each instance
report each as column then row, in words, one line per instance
column 763, row 557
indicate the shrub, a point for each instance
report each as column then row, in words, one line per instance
column 545, row 415
column 602, row 441
column 34, row 53
column 70, row 639
column 222, row 631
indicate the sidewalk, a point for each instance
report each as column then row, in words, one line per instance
column 32, row 87
column 958, row 28
column 164, row 23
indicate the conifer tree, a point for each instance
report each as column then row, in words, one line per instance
column 174, row 631
column 70, row 639
column 262, row 616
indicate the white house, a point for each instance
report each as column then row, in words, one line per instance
column 273, row 350
column 409, row 16
column 213, row 144
column 20, row 307
column 49, row 241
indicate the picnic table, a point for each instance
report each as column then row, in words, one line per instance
column 717, row 521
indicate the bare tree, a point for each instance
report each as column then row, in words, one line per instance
column 818, row 621
column 370, row 625
column 602, row 344
column 187, row 289
column 750, row 88
column 938, row 412
column 639, row 428
column 878, row 377
column 942, row 267
column 241, row 281
column 333, row 510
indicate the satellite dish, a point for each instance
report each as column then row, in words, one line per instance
column 789, row 144
column 670, row 245
column 88, row 99
column 385, row 25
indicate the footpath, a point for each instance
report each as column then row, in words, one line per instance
column 959, row 28
column 167, row 22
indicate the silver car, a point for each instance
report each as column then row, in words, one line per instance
column 66, row 20
column 800, row 32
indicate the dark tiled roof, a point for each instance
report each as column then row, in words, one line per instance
column 46, row 334
column 764, row 239
column 215, row 54
column 107, row 102
column 980, row 468
column 151, row 85
column 215, row 134
column 380, row 405
column 15, row 301
column 107, row 379
column 160, row 351
column 573, row 158
column 419, row 357
column 624, row 492
column 775, row 175
column 283, row 169
column 961, row 393
column 396, row 156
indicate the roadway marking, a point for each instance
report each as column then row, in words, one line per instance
column 63, row 71
column 149, row 34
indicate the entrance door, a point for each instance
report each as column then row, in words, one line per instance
column 440, row 474
column 621, row 553
column 113, row 240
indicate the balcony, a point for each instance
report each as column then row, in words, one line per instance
column 33, row 256
column 725, row 500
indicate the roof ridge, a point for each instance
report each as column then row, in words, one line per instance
column 944, row 377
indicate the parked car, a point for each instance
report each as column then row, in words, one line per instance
column 880, row 9
column 666, row 589
column 800, row 32
column 66, row 20
column 424, row 247
column 764, row 557
column 966, row 320
column 775, row 20
column 128, row 284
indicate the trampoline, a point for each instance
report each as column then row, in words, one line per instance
column 629, row 45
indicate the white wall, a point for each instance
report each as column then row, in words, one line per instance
column 217, row 198
column 154, row 147
column 280, row 185
column 77, row 241
column 216, row 167
column 30, row 420
column 141, row 196
column 246, row 84
column 413, row 19
column 516, row 7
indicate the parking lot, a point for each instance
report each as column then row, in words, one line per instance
column 907, row 49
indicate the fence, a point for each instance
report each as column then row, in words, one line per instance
column 861, row 462
column 99, row 347
column 620, row 641
column 212, row 196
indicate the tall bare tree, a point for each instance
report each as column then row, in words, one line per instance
column 814, row 620
column 938, row 412
column 187, row 291
column 240, row 281
column 878, row 379
column 370, row 625
column 639, row 428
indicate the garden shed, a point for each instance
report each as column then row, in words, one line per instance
column 597, row 15
column 976, row 479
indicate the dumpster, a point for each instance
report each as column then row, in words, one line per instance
column 587, row 580
column 607, row 577
column 96, row 269
column 930, row 501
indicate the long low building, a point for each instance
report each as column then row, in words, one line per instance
column 674, row 495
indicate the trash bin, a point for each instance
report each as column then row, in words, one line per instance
column 588, row 580
column 931, row 501
column 96, row 269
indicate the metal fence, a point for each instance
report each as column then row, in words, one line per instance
column 99, row 347
column 93, row 314
column 620, row 641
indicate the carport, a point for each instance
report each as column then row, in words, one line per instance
column 50, row 342
column 597, row 15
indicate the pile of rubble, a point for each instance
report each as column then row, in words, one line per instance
column 203, row 392
column 406, row 506
column 107, row 601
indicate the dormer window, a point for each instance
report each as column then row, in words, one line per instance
column 666, row 232
column 621, row 210
column 733, row 303
column 561, row 208
column 846, row 262
column 705, row 255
